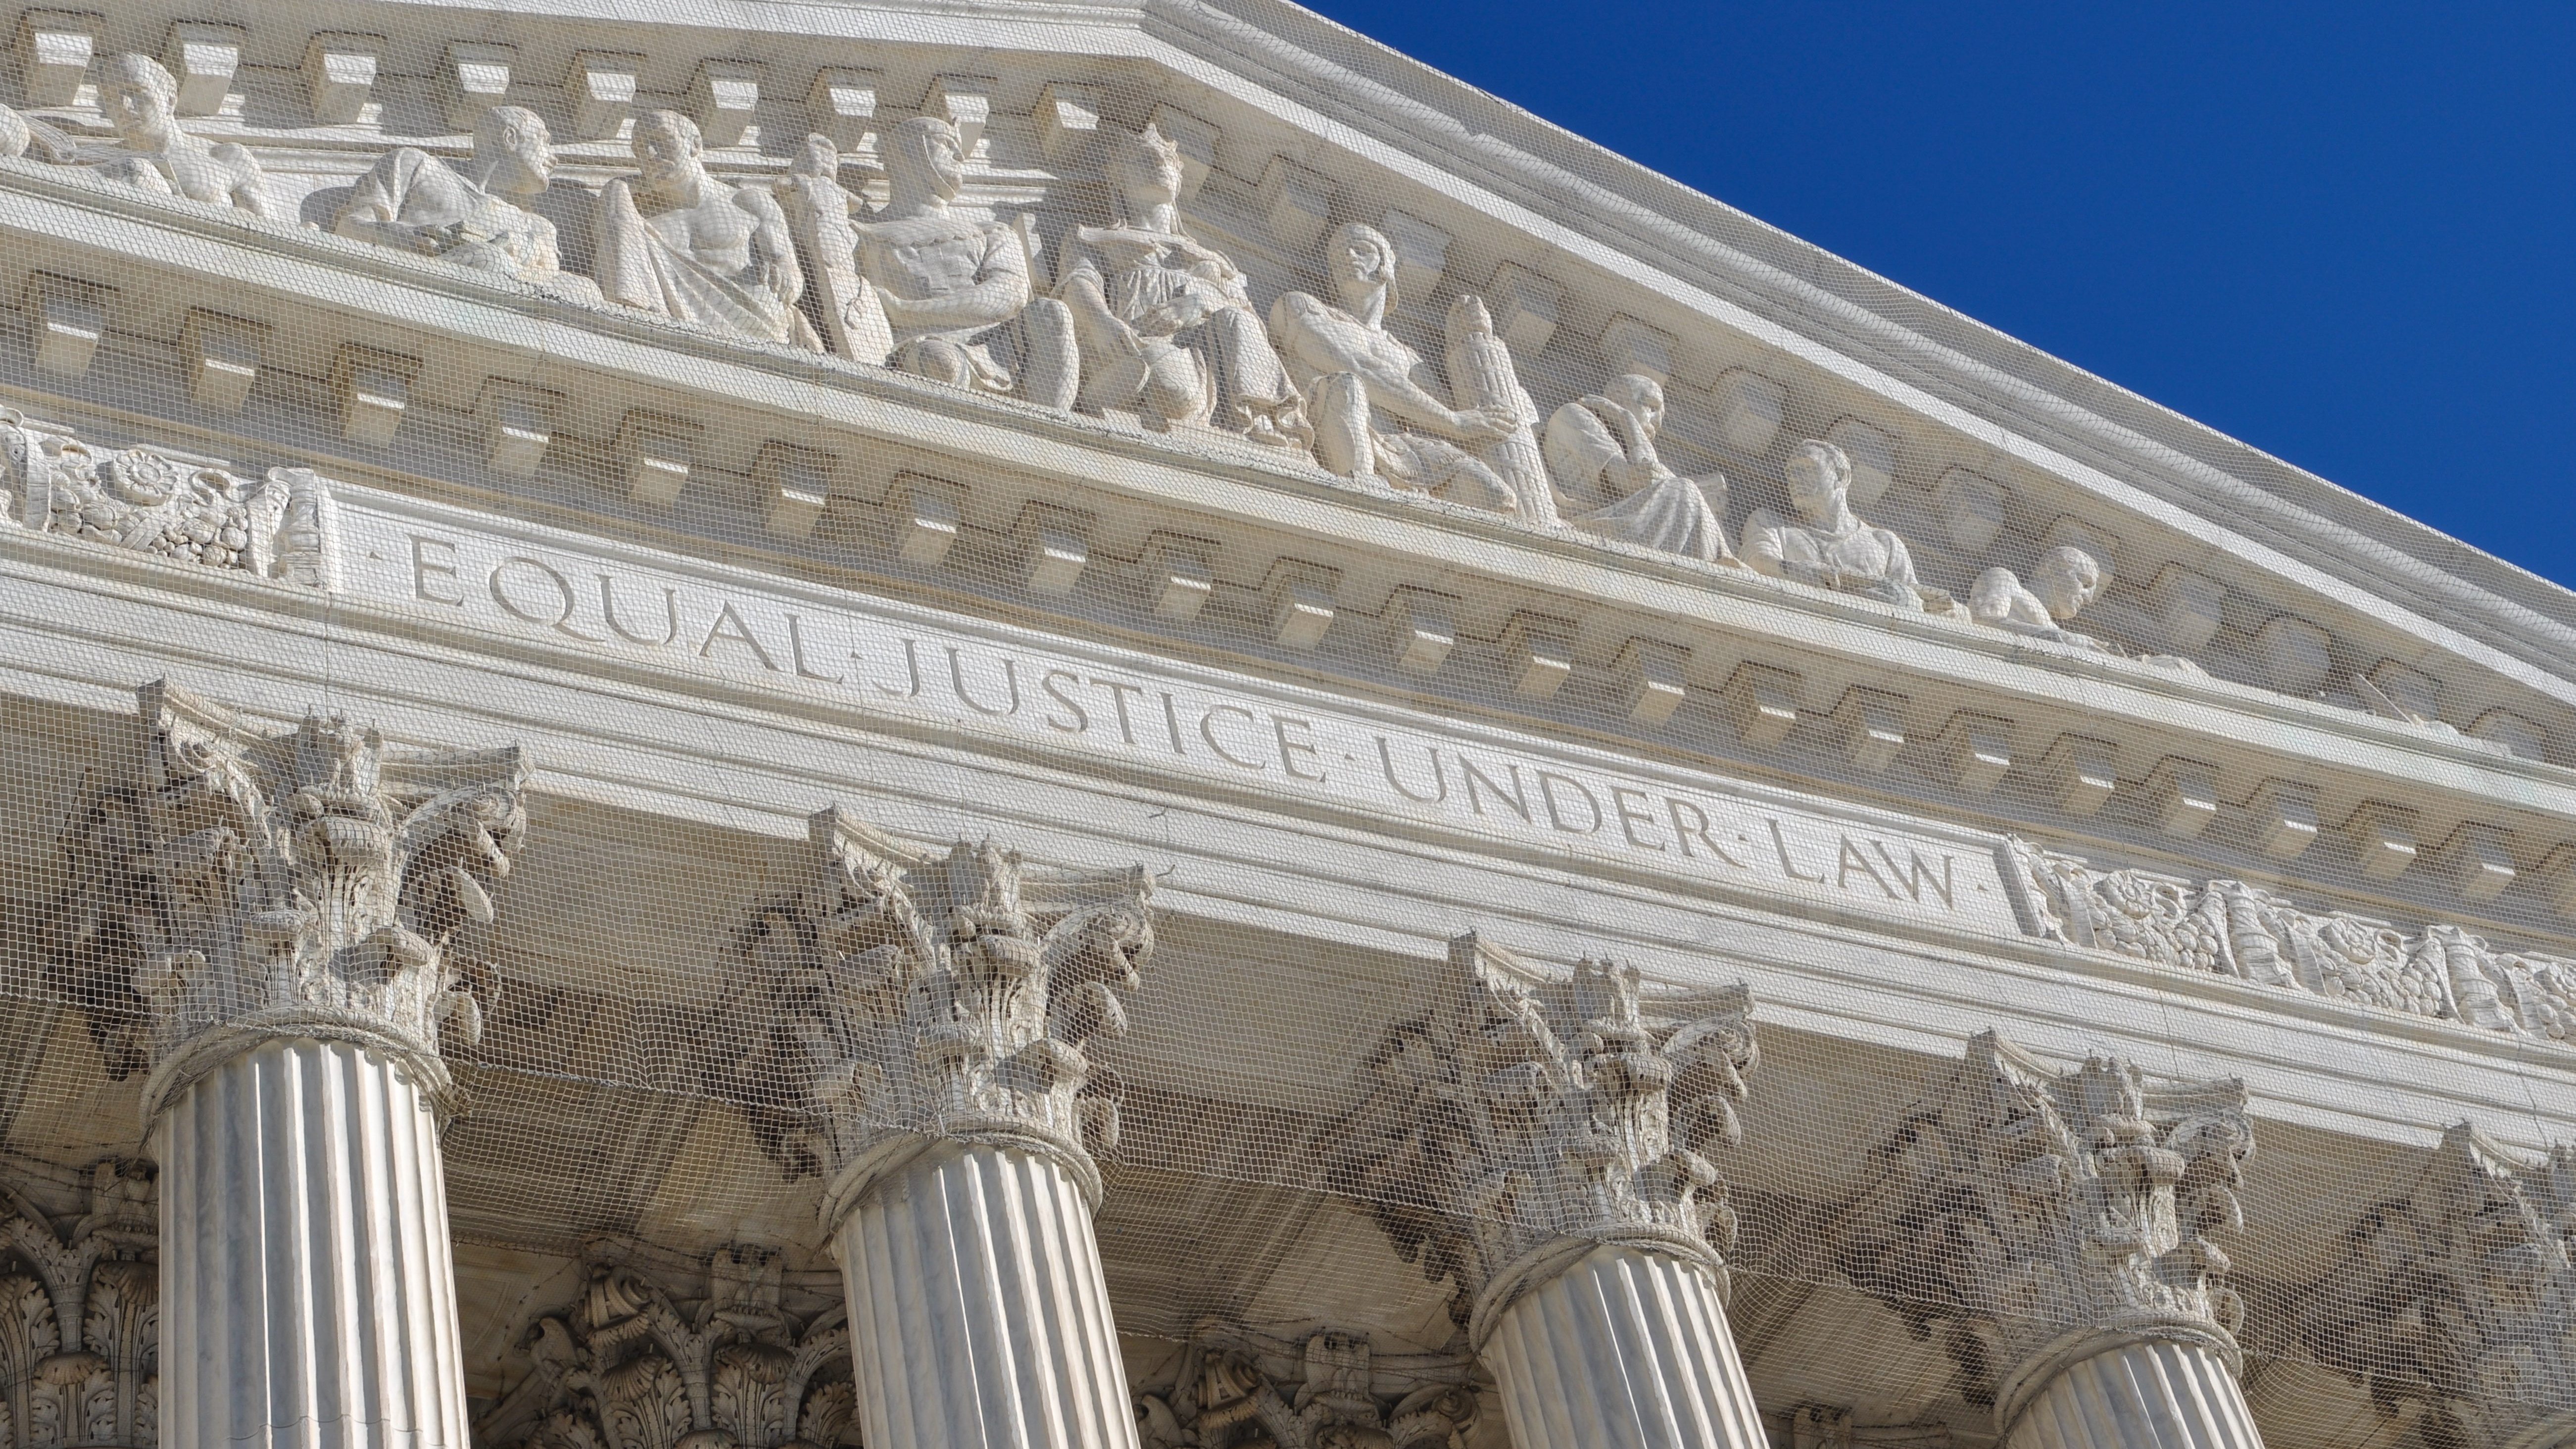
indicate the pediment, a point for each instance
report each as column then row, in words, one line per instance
column 2266, row 643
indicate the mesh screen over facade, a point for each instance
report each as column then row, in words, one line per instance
column 1406, row 709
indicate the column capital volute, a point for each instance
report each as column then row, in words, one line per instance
column 2029, row 1217
column 247, row 884
column 1529, row 1118
column 903, row 1000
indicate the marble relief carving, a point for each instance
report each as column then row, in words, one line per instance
column 312, row 880
column 79, row 1316
column 476, row 215
column 1330, row 1391
column 153, row 151
column 906, row 991
column 1829, row 546
column 1525, row 1114
column 279, row 526
column 2457, row 1298
column 2019, row 1202
column 2231, row 928
column 678, row 242
column 1377, row 406
column 706, row 1357
column 1601, row 455
column 1166, row 327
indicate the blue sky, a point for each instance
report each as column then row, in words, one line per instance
column 2345, row 233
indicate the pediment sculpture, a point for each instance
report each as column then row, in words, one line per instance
column 153, row 152
column 475, row 215
column 1829, row 546
column 954, row 292
column 680, row 243
column 1165, row 324
column 1600, row 453
column 1377, row 405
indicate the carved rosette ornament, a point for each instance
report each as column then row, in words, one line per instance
column 2458, row 1298
column 255, row 885
column 2033, row 1219
column 661, row 1355
column 79, row 1317
column 1524, row 1120
column 1237, row 1389
column 908, row 995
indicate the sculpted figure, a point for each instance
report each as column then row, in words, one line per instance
column 1377, row 404
column 2066, row 580
column 676, row 241
column 22, row 135
column 141, row 101
column 1831, row 548
column 1601, row 455
column 475, row 217
column 954, row 290
column 1165, row 325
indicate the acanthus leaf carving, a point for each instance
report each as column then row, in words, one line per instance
column 908, row 993
column 1524, row 1111
column 311, row 880
column 2019, row 1204
column 664, row 1354
column 80, row 1316
column 283, row 525
column 2458, row 1297
column 1239, row 1389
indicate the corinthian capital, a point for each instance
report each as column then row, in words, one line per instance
column 2029, row 1217
column 1526, row 1118
column 907, row 995
column 305, row 883
column 2458, row 1297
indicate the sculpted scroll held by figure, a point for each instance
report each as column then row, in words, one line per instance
column 676, row 241
column 476, row 216
column 1165, row 324
column 954, row 291
column 1601, row 454
column 1377, row 405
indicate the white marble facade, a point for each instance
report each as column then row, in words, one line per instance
column 1126, row 725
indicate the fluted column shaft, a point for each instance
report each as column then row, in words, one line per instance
column 1623, row 1348
column 979, row 1318
column 2153, row 1395
column 308, row 1289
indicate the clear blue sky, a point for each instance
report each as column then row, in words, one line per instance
column 2345, row 233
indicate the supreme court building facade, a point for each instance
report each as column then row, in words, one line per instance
column 927, row 723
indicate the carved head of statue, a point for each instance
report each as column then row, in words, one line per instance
column 139, row 97
column 1361, row 261
column 2065, row 580
column 667, row 147
column 512, row 144
column 925, row 163
column 1143, row 169
column 1819, row 476
column 1642, row 396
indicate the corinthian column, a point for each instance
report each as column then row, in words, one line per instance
column 913, row 1027
column 1539, row 1141
column 2049, row 1230
column 2458, row 1297
column 263, row 921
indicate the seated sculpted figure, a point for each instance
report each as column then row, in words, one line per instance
column 2065, row 580
column 1601, row 456
column 954, row 290
column 1830, row 548
column 475, row 216
column 157, row 154
column 1377, row 405
column 1166, row 327
column 676, row 241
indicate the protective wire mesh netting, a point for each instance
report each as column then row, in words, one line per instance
column 563, row 836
